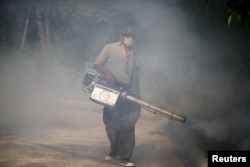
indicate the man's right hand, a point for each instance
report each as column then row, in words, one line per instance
column 109, row 76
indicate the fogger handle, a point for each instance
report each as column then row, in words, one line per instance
column 156, row 109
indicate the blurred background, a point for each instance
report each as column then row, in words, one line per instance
column 195, row 60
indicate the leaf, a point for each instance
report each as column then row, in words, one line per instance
column 229, row 19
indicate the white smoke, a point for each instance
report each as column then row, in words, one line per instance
column 192, row 73
column 189, row 71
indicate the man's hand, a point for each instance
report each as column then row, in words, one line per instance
column 109, row 76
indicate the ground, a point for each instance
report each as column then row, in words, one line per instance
column 74, row 136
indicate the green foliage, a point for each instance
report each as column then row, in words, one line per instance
column 240, row 10
column 236, row 11
column 72, row 23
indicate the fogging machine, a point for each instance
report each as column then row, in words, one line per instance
column 103, row 93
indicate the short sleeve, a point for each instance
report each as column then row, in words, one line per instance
column 103, row 56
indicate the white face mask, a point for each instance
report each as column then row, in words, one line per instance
column 129, row 42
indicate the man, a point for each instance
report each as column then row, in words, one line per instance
column 119, row 63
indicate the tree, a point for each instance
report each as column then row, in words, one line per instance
column 239, row 9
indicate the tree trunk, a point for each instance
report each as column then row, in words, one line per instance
column 44, row 36
column 24, row 34
column 47, row 33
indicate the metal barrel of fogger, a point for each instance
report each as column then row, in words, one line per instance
column 155, row 109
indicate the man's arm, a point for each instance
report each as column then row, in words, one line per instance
column 99, row 64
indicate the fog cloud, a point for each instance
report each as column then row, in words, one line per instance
column 196, row 73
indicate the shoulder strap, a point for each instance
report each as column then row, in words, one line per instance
column 133, row 67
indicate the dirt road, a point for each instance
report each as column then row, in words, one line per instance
column 74, row 136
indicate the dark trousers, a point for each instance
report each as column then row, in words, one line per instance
column 120, row 128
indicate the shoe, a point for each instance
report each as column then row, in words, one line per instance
column 126, row 163
column 110, row 158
